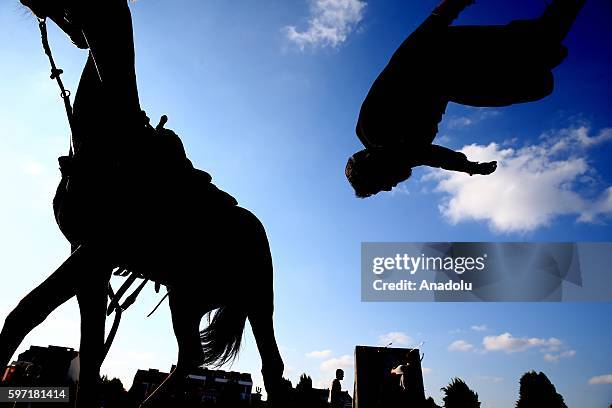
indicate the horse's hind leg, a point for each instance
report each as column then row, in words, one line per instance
column 186, row 319
column 260, row 316
column 186, row 323
column 271, row 361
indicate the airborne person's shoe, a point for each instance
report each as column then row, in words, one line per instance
column 450, row 9
column 61, row 14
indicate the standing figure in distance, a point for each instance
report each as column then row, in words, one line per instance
column 335, row 393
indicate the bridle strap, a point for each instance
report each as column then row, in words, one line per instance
column 56, row 75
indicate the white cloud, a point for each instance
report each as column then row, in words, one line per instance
column 552, row 348
column 330, row 366
column 426, row 370
column 553, row 358
column 509, row 344
column 601, row 379
column 124, row 362
column 400, row 189
column 479, row 328
column 458, row 122
column 532, row 185
column 329, row 24
column 460, row 345
column 32, row 168
column 321, row 384
column 396, row 338
column 490, row 379
column 578, row 136
column 319, row 354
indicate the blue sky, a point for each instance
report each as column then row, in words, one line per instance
column 265, row 95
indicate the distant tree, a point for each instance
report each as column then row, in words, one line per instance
column 286, row 393
column 286, row 385
column 459, row 395
column 112, row 393
column 537, row 391
column 305, row 396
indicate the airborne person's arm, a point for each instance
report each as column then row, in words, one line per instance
column 442, row 157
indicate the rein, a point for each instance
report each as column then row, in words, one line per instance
column 56, row 75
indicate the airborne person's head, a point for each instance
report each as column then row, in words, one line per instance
column 371, row 171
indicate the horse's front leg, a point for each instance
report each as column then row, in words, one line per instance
column 272, row 365
column 34, row 308
column 92, row 298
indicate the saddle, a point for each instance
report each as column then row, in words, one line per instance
column 157, row 193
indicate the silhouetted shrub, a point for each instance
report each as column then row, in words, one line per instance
column 537, row 391
column 308, row 397
column 459, row 395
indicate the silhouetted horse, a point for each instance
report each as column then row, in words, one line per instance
column 130, row 198
column 211, row 255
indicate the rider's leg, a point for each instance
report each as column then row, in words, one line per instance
column 107, row 25
column 89, row 110
column 40, row 302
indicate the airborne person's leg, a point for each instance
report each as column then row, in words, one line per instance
column 503, row 65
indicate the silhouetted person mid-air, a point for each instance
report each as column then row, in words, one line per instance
column 482, row 66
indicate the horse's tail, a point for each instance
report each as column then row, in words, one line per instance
column 221, row 339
